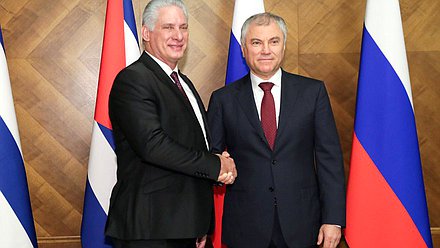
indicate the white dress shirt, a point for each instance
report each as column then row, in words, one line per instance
column 192, row 99
column 259, row 93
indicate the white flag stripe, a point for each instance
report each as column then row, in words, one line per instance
column 12, row 233
column 102, row 160
column 7, row 111
column 102, row 167
column 131, row 45
column 384, row 23
column 246, row 9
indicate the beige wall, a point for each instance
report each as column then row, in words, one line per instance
column 53, row 50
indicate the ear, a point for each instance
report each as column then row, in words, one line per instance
column 145, row 33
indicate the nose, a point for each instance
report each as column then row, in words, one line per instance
column 265, row 48
column 178, row 34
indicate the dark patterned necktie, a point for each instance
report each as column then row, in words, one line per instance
column 178, row 84
column 268, row 116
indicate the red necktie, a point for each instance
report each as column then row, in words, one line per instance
column 268, row 116
column 177, row 81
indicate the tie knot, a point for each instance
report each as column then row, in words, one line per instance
column 266, row 86
column 174, row 76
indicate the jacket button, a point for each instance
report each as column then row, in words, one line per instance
column 274, row 162
column 271, row 189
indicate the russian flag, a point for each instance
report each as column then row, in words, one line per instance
column 386, row 203
column 120, row 48
column 16, row 221
column 236, row 69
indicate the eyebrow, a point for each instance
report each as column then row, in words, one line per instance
column 273, row 38
column 172, row 24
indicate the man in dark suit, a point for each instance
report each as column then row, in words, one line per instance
column 280, row 130
column 163, row 195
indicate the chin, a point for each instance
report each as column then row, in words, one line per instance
column 178, row 52
column 177, row 57
column 266, row 70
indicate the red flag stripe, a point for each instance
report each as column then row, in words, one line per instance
column 112, row 59
column 374, row 209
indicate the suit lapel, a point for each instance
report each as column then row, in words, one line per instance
column 245, row 98
column 199, row 103
column 164, row 78
column 289, row 95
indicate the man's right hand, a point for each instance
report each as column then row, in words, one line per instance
column 228, row 172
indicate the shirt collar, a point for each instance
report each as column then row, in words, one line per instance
column 164, row 66
column 275, row 79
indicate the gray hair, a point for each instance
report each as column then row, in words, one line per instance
column 263, row 19
column 151, row 11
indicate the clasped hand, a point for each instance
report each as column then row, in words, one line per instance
column 228, row 172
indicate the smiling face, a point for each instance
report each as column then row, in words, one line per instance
column 264, row 49
column 169, row 38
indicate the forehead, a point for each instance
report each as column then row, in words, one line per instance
column 269, row 31
column 171, row 14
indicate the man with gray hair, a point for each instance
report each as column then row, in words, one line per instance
column 163, row 196
column 280, row 130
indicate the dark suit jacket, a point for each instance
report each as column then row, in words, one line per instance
column 304, row 173
column 165, row 172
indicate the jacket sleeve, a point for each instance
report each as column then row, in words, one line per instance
column 215, row 123
column 329, row 162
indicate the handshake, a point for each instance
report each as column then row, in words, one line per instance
column 228, row 172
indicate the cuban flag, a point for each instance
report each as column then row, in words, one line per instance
column 236, row 69
column 16, row 221
column 386, row 203
column 120, row 48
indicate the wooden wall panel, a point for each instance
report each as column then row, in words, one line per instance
column 425, row 72
column 53, row 50
column 421, row 36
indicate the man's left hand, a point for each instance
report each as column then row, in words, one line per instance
column 329, row 236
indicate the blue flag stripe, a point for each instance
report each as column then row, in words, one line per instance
column 13, row 183
column 92, row 235
column 236, row 67
column 129, row 18
column 108, row 134
column 1, row 40
column 386, row 128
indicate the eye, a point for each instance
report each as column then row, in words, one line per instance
column 255, row 43
column 168, row 27
column 275, row 42
column 184, row 27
